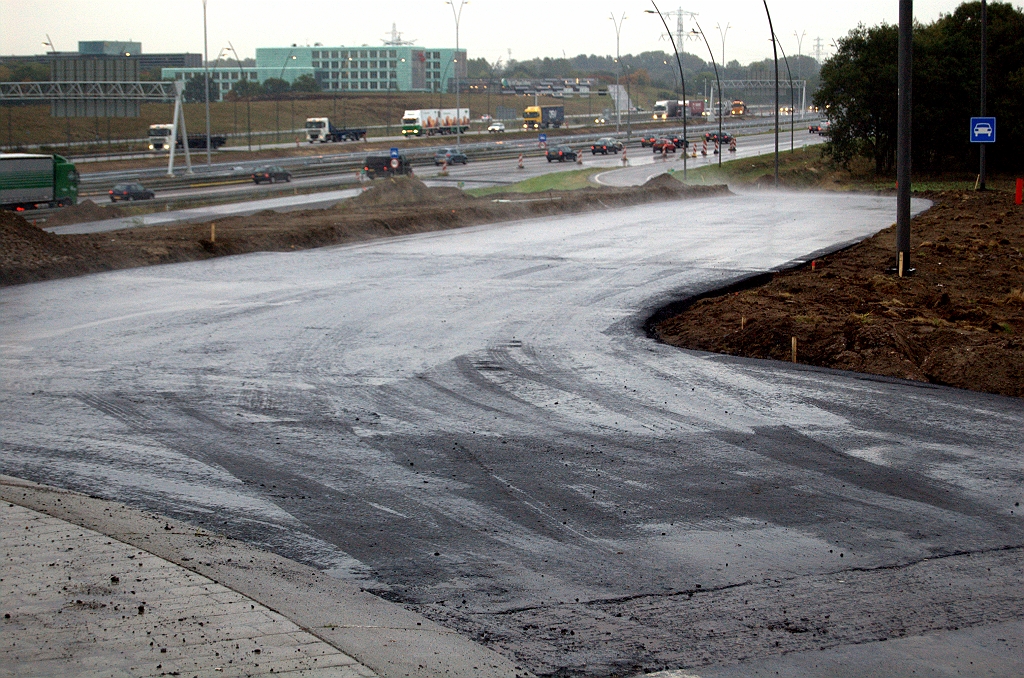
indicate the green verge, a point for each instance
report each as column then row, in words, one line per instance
column 808, row 168
column 572, row 180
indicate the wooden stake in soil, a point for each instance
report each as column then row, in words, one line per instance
column 213, row 232
column 743, row 322
column 901, row 264
column 794, row 349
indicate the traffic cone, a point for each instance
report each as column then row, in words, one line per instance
column 579, row 158
column 732, row 146
column 444, row 168
column 520, row 161
column 704, row 150
column 716, row 148
column 624, row 160
column 694, row 151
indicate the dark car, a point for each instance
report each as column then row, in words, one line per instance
column 271, row 175
column 561, row 154
column 385, row 166
column 666, row 145
column 605, row 146
column 450, row 156
column 814, row 129
column 647, row 141
column 130, row 192
column 713, row 136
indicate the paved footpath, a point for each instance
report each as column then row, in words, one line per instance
column 89, row 587
column 76, row 602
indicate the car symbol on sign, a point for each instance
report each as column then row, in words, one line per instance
column 983, row 129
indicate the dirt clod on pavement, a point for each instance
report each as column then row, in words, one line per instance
column 958, row 321
column 398, row 206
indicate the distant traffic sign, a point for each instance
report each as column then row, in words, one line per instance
column 983, row 130
column 394, row 163
column 394, row 152
column 542, row 137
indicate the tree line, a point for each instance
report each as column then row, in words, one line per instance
column 859, row 93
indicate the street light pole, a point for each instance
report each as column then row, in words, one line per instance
column 903, row 121
column 618, row 69
column 277, row 101
column 682, row 79
column 775, row 52
column 792, row 101
column 719, row 81
column 248, row 99
column 457, row 14
column 206, row 87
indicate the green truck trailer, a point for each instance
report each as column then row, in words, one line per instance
column 30, row 181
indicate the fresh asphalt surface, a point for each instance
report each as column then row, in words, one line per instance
column 474, row 423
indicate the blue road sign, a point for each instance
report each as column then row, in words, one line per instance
column 543, row 137
column 394, row 152
column 983, row 130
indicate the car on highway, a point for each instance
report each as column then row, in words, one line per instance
column 385, row 166
column 713, row 137
column 450, row 156
column 496, row 127
column 600, row 121
column 647, row 140
column 560, row 153
column 814, row 129
column 605, row 146
column 663, row 146
column 130, row 192
column 270, row 175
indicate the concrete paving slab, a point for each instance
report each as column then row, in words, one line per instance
column 72, row 606
column 202, row 593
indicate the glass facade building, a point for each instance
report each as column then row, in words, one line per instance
column 396, row 68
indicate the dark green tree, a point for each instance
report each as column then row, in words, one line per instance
column 859, row 94
column 275, row 86
column 305, row 83
column 193, row 93
column 244, row 88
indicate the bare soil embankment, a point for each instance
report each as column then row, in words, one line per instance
column 389, row 207
column 958, row 321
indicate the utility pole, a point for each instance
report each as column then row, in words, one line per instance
column 458, row 113
column 905, row 69
column 206, row 87
column 775, row 52
column 984, row 89
column 618, row 70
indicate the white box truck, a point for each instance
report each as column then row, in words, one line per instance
column 431, row 121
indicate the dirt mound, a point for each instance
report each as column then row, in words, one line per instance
column 664, row 181
column 959, row 321
column 406, row 191
column 24, row 246
column 84, row 211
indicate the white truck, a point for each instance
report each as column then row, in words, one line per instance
column 160, row 138
column 431, row 121
column 321, row 129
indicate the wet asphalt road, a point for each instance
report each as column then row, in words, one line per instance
column 474, row 423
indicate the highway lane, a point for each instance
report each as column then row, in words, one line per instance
column 642, row 166
column 474, row 423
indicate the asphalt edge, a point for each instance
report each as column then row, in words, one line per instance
column 384, row 636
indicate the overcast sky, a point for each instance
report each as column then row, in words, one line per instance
column 530, row 28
